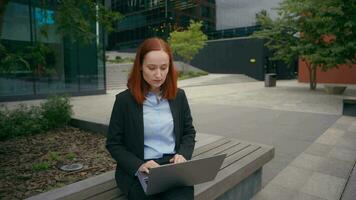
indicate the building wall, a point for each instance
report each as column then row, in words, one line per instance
column 342, row 75
column 241, row 56
column 232, row 56
column 70, row 67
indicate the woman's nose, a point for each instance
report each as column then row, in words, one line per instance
column 158, row 73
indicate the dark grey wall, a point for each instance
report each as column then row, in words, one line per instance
column 233, row 56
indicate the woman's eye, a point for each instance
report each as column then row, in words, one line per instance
column 151, row 68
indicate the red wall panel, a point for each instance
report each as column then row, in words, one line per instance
column 343, row 74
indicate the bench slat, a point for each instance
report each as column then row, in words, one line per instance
column 207, row 147
column 235, row 149
column 217, row 150
column 204, row 139
column 82, row 189
column 120, row 198
column 238, row 155
column 109, row 194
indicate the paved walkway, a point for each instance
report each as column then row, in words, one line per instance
column 322, row 170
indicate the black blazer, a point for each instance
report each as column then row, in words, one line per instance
column 125, row 134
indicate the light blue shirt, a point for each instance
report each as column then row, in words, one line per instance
column 158, row 127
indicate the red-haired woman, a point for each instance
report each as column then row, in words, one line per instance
column 150, row 123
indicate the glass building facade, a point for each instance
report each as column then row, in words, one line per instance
column 147, row 18
column 71, row 68
column 221, row 18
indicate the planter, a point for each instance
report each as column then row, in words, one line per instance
column 334, row 89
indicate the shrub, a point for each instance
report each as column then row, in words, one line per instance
column 57, row 111
column 118, row 58
column 25, row 120
column 20, row 121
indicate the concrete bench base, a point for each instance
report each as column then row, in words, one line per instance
column 246, row 189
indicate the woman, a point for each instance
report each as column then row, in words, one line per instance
column 150, row 123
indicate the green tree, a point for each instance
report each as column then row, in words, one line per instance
column 322, row 33
column 75, row 19
column 187, row 43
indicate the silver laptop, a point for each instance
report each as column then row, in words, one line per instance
column 188, row 173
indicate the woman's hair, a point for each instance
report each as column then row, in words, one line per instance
column 137, row 85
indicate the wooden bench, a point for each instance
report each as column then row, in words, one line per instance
column 239, row 177
column 349, row 106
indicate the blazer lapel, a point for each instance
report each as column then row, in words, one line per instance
column 139, row 126
column 172, row 105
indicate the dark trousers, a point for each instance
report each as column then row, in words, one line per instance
column 178, row 193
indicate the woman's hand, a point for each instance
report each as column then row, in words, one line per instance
column 177, row 159
column 145, row 167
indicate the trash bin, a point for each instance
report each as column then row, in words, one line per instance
column 270, row 80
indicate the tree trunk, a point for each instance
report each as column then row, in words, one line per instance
column 310, row 74
column 313, row 78
column 184, row 67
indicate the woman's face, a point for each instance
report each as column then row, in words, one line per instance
column 155, row 69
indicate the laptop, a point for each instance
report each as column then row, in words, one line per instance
column 188, row 173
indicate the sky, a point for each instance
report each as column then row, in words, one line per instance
column 241, row 13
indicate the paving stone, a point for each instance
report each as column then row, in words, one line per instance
column 330, row 136
column 343, row 127
column 324, row 186
column 348, row 143
column 346, row 120
column 330, row 166
column 352, row 128
column 350, row 191
column 349, row 134
column 336, row 167
column 307, row 161
column 342, row 154
column 303, row 196
column 353, row 175
column 292, row 177
column 318, row 149
column 273, row 192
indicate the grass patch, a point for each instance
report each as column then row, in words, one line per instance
column 70, row 156
column 41, row 166
column 53, row 156
column 125, row 70
column 191, row 74
column 119, row 59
